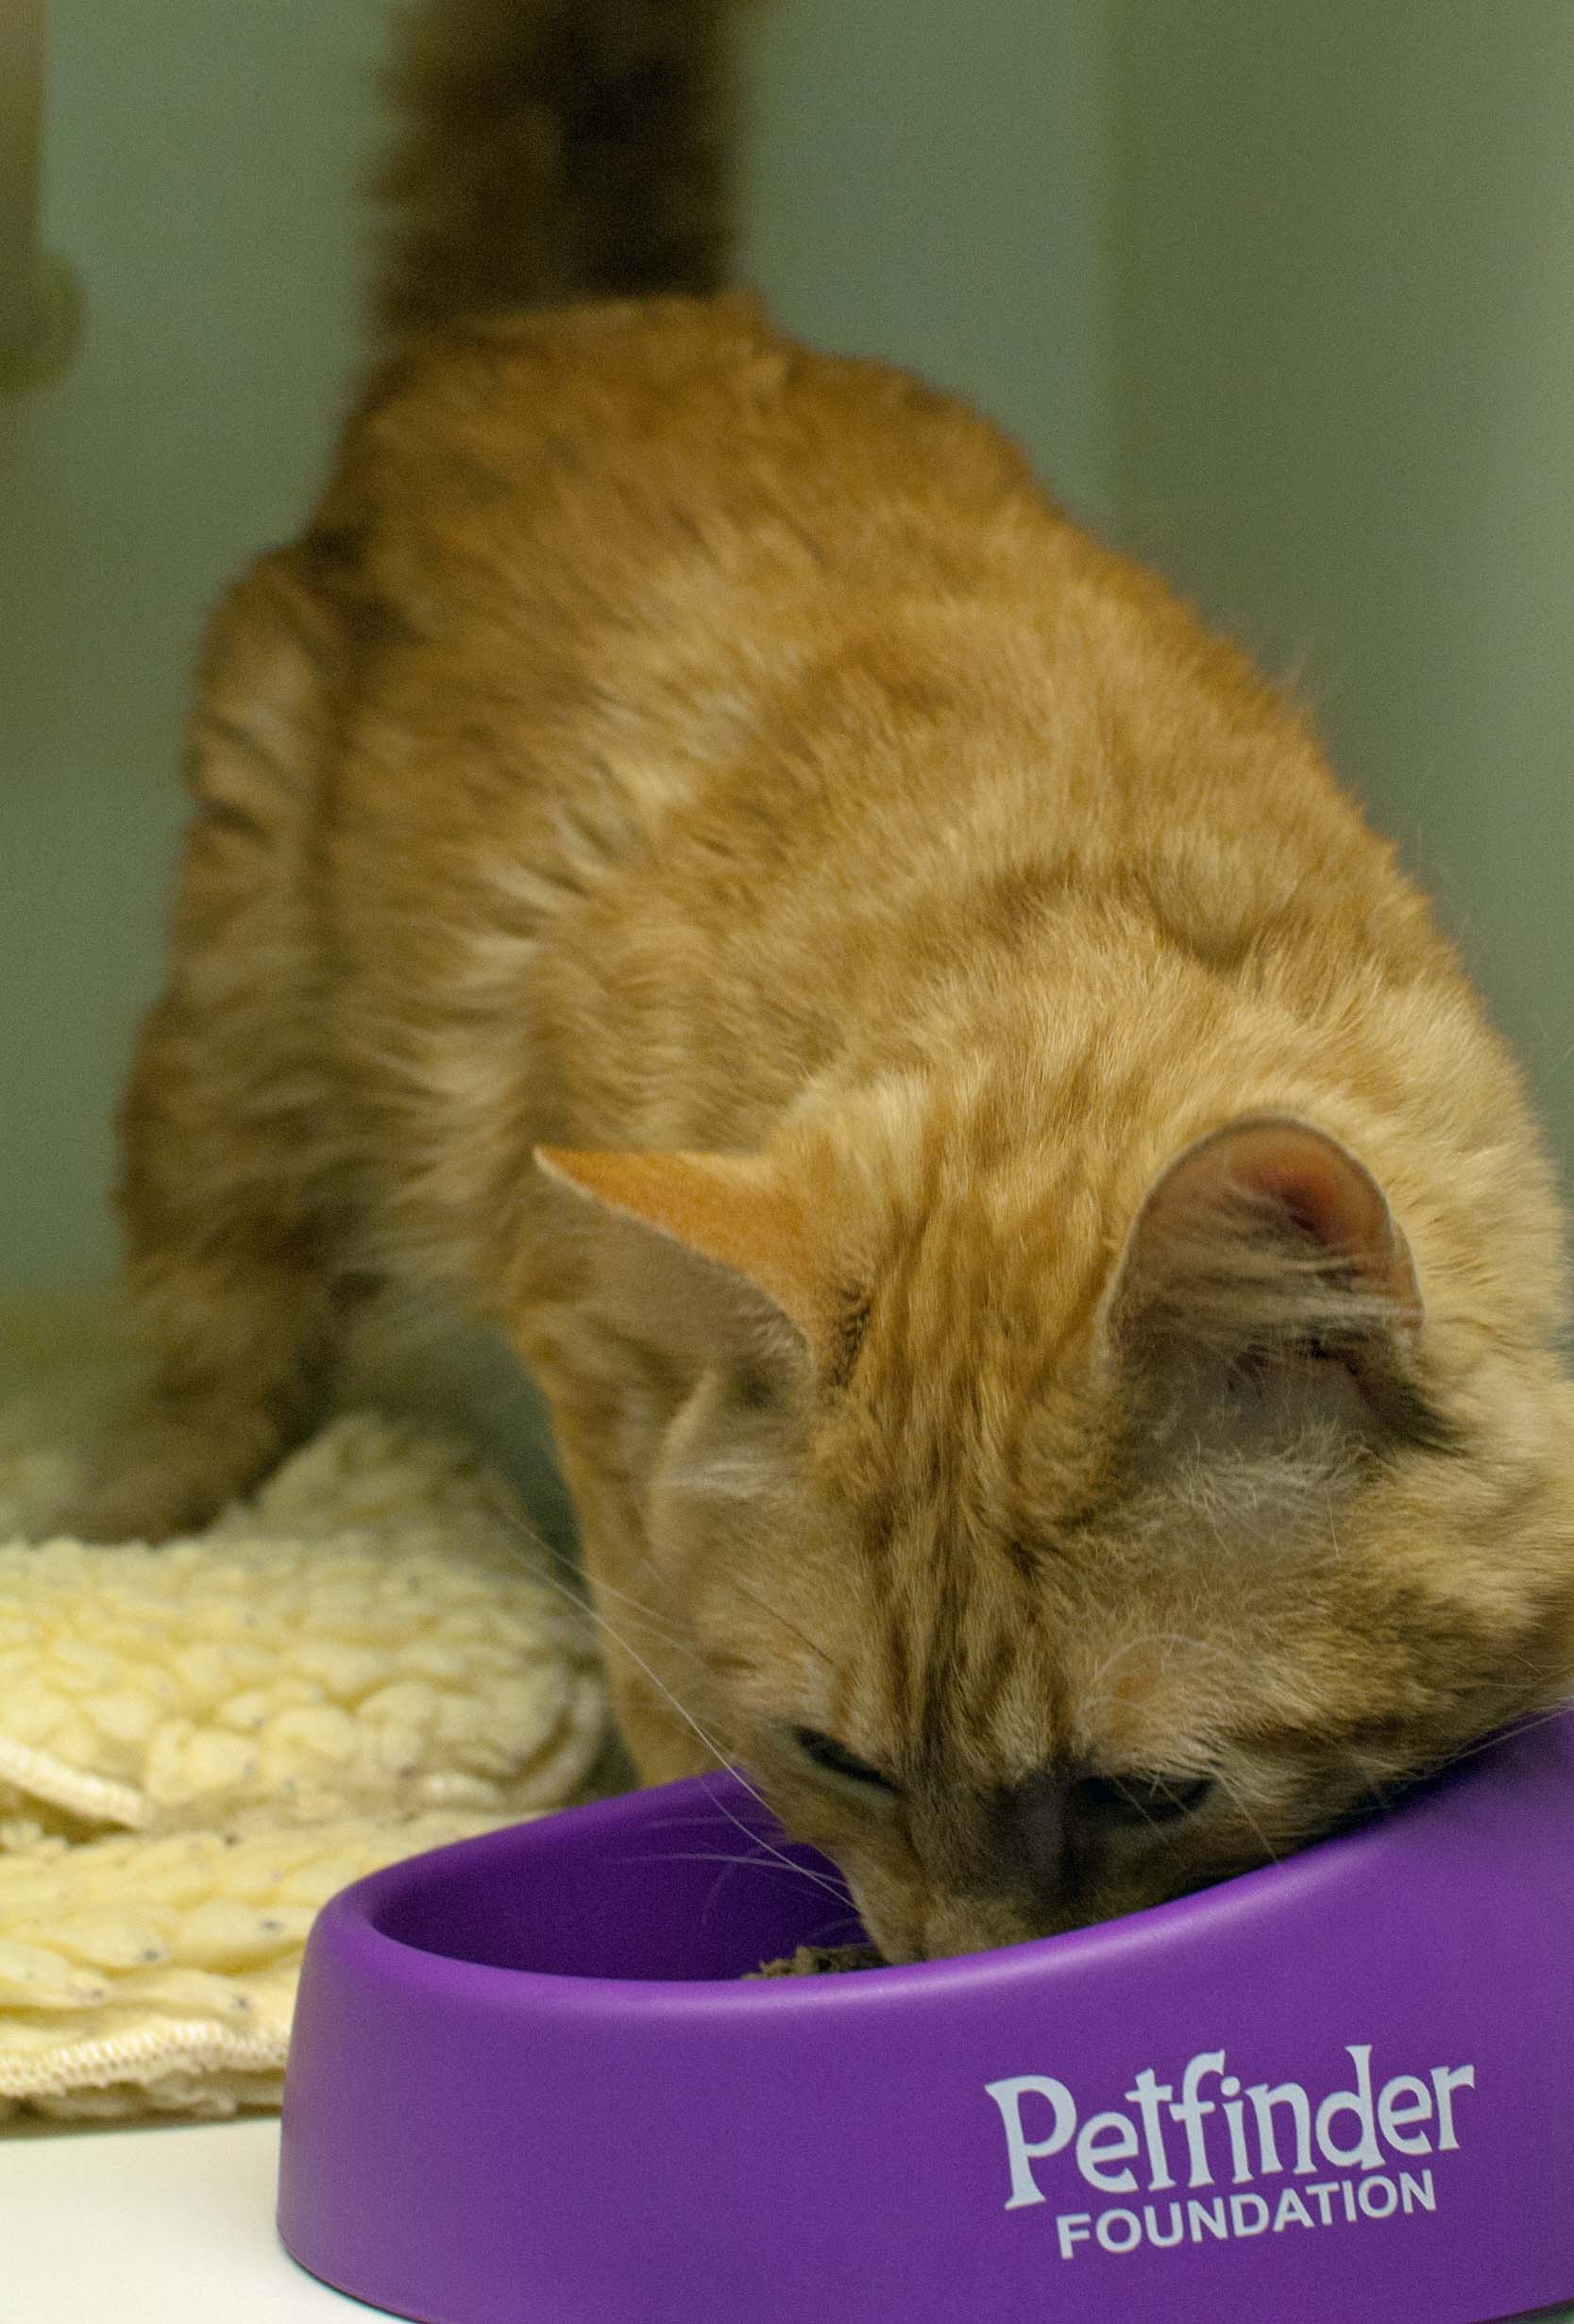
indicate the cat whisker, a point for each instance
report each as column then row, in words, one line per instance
column 657, row 1623
column 772, row 1862
column 772, row 1856
column 829, row 1928
column 689, row 1720
column 585, row 1596
column 1272, row 1854
column 1526, row 1725
column 776, row 1615
column 1378, row 1790
column 604, row 1622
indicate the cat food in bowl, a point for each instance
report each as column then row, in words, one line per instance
column 533, row 2083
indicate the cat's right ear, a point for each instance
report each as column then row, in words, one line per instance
column 706, row 1254
column 1265, row 1285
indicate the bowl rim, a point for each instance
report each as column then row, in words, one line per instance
column 351, row 1923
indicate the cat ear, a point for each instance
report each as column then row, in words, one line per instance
column 1266, row 1250
column 716, row 1247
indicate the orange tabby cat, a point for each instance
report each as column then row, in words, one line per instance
column 1046, row 1284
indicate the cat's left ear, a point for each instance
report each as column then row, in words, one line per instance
column 1268, row 1245
column 712, row 1251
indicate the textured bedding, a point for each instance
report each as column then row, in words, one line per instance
column 199, row 1744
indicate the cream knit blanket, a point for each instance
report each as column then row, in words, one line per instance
column 201, row 1744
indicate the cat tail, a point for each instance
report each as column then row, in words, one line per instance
column 552, row 150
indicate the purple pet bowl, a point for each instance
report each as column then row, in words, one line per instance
column 525, row 2089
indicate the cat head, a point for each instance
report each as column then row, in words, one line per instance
column 1045, row 1544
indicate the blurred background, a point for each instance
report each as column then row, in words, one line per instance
column 1281, row 296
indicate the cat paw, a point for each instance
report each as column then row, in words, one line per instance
column 143, row 1507
column 140, row 1497
column 156, row 1484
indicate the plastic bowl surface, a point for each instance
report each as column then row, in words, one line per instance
column 526, row 2088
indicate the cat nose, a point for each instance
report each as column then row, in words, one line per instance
column 1035, row 1833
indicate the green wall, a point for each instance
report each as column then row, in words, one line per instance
column 1283, row 294
column 198, row 166
column 928, row 185
column 1344, row 309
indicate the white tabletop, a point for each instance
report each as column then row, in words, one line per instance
column 160, row 2225
column 166, row 2225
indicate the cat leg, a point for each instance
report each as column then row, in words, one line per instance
column 227, row 1138
column 239, row 1330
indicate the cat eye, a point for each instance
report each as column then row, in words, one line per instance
column 826, row 1752
column 1139, row 1799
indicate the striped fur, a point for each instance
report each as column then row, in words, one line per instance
column 722, row 766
